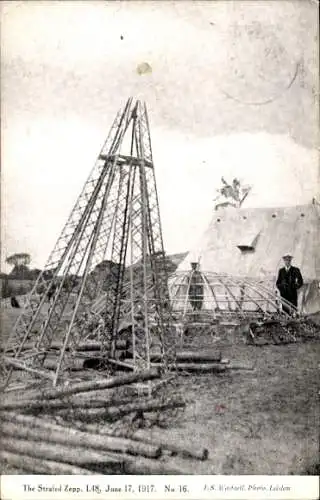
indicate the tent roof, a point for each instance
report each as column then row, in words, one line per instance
column 251, row 241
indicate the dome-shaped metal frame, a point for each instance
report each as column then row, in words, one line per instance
column 207, row 293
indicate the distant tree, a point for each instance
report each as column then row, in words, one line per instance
column 5, row 291
column 231, row 194
column 48, row 273
column 34, row 273
column 20, row 263
column 70, row 282
column 19, row 259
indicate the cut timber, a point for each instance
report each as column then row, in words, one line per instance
column 121, row 365
column 229, row 323
column 114, row 413
column 131, row 465
column 198, row 367
column 17, row 365
column 60, row 404
column 71, row 455
column 40, row 465
column 8, row 469
column 95, row 399
column 191, row 356
column 183, row 451
column 82, row 346
column 93, row 385
column 37, row 429
column 11, row 470
column 80, row 361
column 75, row 363
column 96, row 346
column 110, row 397
column 142, row 466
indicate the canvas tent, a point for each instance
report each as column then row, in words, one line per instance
column 250, row 242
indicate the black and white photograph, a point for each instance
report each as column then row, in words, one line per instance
column 160, row 243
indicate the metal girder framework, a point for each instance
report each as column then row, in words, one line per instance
column 203, row 292
column 116, row 220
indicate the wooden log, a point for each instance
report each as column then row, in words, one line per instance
column 30, row 406
column 93, row 385
column 37, row 429
column 94, row 353
column 191, row 356
column 17, row 365
column 131, row 464
column 11, row 470
column 94, row 346
column 75, row 363
column 115, row 413
column 93, row 362
column 107, row 398
column 121, row 365
column 40, row 465
column 201, row 367
column 74, row 455
column 82, row 346
column 115, row 398
column 184, row 451
column 60, row 404
column 143, row 466
column 30, row 399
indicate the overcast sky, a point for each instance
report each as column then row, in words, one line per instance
column 233, row 90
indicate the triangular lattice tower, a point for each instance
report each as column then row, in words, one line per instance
column 116, row 221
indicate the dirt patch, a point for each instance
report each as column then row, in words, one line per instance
column 261, row 422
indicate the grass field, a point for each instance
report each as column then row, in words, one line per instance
column 261, row 422
column 264, row 421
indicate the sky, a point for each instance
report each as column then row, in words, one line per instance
column 232, row 90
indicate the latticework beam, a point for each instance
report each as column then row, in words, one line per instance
column 115, row 220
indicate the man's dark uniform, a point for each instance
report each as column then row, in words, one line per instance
column 288, row 283
column 195, row 289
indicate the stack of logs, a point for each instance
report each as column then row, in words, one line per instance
column 87, row 355
column 83, row 356
column 192, row 361
column 68, row 430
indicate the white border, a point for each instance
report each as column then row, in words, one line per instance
column 36, row 487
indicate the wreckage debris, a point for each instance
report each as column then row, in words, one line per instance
column 279, row 331
column 28, row 431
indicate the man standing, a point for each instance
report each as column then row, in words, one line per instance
column 195, row 291
column 289, row 281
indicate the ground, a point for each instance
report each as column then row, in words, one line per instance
column 263, row 421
